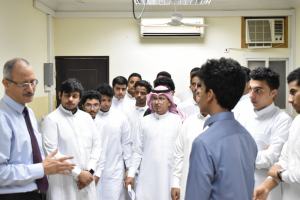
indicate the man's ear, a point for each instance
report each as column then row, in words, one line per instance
column 210, row 95
column 5, row 83
column 59, row 95
column 274, row 93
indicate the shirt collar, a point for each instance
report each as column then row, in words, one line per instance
column 218, row 117
column 141, row 108
column 245, row 97
column 129, row 95
column 117, row 100
column 264, row 111
column 67, row 111
column 157, row 116
column 200, row 116
column 104, row 113
column 13, row 104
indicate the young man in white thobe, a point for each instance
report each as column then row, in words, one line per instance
column 191, row 128
column 245, row 102
column 154, row 147
column 190, row 106
column 287, row 169
column 187, row 94
column 130, row 94
column 91, row 101
column 72, row 132
column 118, row 151
column 268, row 125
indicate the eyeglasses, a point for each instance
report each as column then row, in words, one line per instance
column 89, row 106
column 160, row 99
column 25, row 85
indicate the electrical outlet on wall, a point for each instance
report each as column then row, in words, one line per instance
column 226, row 50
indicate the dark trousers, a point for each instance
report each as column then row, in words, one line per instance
column 23, row 196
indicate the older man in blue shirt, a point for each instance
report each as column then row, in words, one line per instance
column 222, row 159
column 23, row 166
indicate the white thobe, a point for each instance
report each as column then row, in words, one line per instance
column 243, row 105
column 154, row 152
column 189, row 107
column 135, row 116
column 131, row 99
column 73, row 135
column 185, row 95
column 269, row 126
column 102, row 129
column 191, row 128
column 290, row 161
column 123, row 105
column 110, row 186
column 176, row 100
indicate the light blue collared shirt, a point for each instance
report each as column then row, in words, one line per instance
column 17, row 171
column 222, row 161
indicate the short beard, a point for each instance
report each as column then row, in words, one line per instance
column 73, row 109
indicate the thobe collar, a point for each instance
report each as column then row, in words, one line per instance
column 200, row 116
column 244, row 97
column 117, row 100
column 104, row 113
column 140, row 109
column 264, row 111
column 218, row 117
column 129, row 95
column 157, row 116
column 13, row 104
column 67, row 111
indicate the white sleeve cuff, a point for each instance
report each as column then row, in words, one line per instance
column 131, row 172
column 277, row 181
column 98, row 173
column 285, row 177
column 37, row 170
column 76, row 172
column 175, row 182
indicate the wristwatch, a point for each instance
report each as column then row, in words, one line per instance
column 279, row 172
column 92, row 171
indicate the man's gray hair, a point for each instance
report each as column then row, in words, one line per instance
column 9, row 66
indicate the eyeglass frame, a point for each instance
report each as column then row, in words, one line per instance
column 25, row 84
column 92, row 105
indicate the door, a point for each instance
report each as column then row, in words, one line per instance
column 89, row 70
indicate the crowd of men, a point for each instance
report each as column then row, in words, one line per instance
column 222, row 138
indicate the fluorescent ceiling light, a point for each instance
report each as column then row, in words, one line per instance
column 172, row 2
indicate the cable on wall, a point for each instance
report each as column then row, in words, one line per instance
column 133, row 9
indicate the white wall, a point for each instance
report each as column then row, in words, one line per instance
column 120, row 40
column 297, row 38
column 23, row 34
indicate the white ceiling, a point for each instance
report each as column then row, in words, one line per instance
column 126, row 5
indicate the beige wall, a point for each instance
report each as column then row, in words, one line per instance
column 297, row 37
column 23, row 33
column 120, row 40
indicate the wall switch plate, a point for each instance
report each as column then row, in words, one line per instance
column 226, row 50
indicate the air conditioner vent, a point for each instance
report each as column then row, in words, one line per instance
column 278, row 27
column 259, row 31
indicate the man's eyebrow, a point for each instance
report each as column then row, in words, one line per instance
column 256, row 87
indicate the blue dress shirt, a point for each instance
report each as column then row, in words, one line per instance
column 17, row 171
column 222, row 161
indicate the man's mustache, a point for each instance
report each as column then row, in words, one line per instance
column 28, row 94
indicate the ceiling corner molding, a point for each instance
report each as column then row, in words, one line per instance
column 44, row 8
column 248, row 13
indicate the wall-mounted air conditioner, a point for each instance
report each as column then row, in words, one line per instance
column 156, row 27
column 262, row 33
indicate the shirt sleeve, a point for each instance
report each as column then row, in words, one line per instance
column 14, row 174
column 201, row 173
column 96, row 147
column 125, row 141
column 50, row 142
column 267, row 158
column 102, row 160
column 138, row 150
column 178, row 159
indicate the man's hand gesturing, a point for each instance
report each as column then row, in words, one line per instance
column 57, row 165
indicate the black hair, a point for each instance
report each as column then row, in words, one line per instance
column 145, row 84
column 294, row 75
column 135, row 75
column 196, row 73
column 71, row 85
column 227, row 80
column 165, row 81
column 199, row 84
column 194, row 69
column 120, row 80
column 163, row 73
column 91, row 94
column 106, row 89
column 266, row 74
column 247, row 72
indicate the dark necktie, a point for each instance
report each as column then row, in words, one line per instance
column 42, row 183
